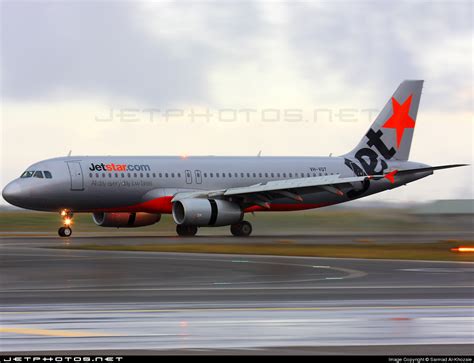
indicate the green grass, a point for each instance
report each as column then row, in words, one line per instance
column 307, row 222
column 439, row 251
column 321, row 220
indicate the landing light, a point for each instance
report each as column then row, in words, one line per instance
column 63, row 213
column 463, row 249
column 67, row 221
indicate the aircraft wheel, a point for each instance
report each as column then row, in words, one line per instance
column 241, row 229
column 186, row 230
column 64, row 231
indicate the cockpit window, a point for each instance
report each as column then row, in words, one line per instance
column 47, row 174
column 38, row 174
column 27, row 174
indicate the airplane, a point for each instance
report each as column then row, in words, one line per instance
column 209, row 191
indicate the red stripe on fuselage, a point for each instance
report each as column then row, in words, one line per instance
column 158, row 205
column 285, row 207
column 164, row 205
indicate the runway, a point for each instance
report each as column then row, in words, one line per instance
column 72, row 300
column 221, row 234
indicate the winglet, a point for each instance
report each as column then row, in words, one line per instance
column 391, row 176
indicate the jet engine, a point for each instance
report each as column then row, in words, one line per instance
column 206, row 212
column 125, row 220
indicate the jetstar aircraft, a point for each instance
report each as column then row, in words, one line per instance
column 124, row 191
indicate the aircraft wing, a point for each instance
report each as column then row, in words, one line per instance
column 292, row 184
column 262, row 193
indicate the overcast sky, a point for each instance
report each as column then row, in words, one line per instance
column 130, row 78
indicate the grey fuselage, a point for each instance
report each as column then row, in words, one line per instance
column 147, row 183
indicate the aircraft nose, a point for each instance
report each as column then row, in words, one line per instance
column 13, row 192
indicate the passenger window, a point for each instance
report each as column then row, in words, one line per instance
column 211, row 175
column 166, row 175
column 103, row 175
column 266, row 175
column 172, row 175
column 141, row 175
column 96, row 175
column 110, row 175
column 160, row 175
column 272, row 175
column 90, row 175
column 116, row 175
column 248, row 175
column 205, row 175
column 179, row 175
column 291, row 175
column 284, row 175
column 217, row 175
column 241, row 175
column 27, row 174
column 230, row 175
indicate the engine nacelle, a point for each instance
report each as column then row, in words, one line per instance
column 125, row 220
column 206, row 212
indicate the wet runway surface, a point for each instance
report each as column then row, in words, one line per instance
column 54, row 300
column 221, row 235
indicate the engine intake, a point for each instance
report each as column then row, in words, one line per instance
column 206, row 212
column 125, row 220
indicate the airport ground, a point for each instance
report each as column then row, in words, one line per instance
column 55, row 299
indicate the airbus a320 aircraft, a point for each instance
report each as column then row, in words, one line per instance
column 125, row 191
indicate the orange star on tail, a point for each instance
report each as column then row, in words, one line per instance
column 400, row 119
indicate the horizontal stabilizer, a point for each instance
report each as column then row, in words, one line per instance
column 430, row 168
column 390, row 176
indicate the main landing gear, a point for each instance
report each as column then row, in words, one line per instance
column 186, row 230
column 241, row 229
column 66, row 230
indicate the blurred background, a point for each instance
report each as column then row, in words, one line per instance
column 234, row 78
column 238, row 78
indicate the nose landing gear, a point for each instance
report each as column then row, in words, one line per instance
column 66, row 230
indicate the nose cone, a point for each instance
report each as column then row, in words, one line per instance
column 13, row 193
